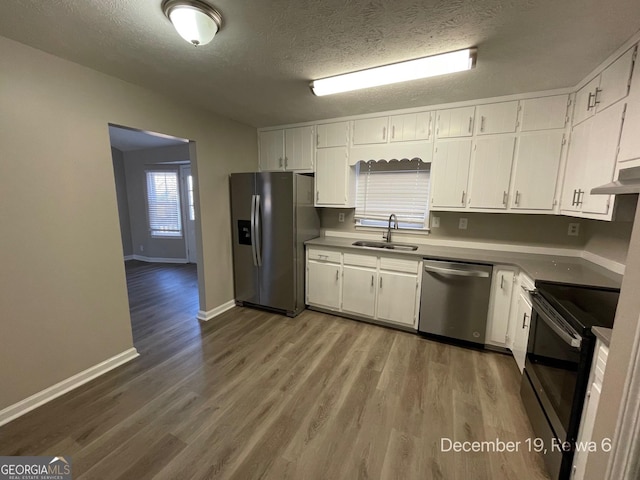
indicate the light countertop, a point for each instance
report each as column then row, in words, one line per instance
column 603, row 334
column 556, row 268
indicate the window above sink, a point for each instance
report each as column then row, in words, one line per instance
column 398, row 186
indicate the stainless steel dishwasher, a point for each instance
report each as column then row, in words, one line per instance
column 455, row 299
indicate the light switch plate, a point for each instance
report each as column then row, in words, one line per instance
column 574, row 229
column 341, row 217
column 462, row 224
column 435, row 222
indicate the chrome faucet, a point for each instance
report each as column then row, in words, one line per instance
column 395, row 226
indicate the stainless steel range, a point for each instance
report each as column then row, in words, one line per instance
column 559, row 354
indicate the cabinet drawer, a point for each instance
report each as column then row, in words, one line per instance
column 399, row 265
column 324, row 255
column 360, row 260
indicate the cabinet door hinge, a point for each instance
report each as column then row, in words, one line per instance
column 569, row 102
column 564, row 139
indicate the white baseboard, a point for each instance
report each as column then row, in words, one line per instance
column 34, row 401
column 611, row 265
column 128, row 257
column 142, row 258
column 219, row 310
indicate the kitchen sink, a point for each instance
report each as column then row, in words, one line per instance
column 387, row 245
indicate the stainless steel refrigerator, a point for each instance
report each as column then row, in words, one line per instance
column 272, row 216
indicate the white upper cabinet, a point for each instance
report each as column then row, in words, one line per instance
column 536, row 165
column 455, row 122
column 412, row 126
column 497, row 118
column 491, row 172
column 585, row 101
column 630, row 140
column 287, row 149
column 450, row 173
column 601, row 158
column 605, row 89
column 591, row 162
column 614, row 81
column 333, row 177
column 371, row 130
column 544, row 113
column 271, row 145
column 298, row 148
column 574, row 170
column 332, row 135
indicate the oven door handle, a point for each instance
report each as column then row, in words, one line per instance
column 575, row 340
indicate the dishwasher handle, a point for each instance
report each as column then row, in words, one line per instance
column 460, row 273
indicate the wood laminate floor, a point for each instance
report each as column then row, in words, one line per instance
column 251, row 395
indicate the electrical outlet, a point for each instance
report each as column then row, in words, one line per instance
column 462, row 224
column 341, row 217
column 574, row 229
column 435, row 222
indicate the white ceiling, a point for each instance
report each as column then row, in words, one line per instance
column 127, row 139
column 258, row 67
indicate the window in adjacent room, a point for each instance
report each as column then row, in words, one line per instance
column 400, row 187
column 163, row 203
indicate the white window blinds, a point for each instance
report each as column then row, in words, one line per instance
column 163, row 200
column 400, row 187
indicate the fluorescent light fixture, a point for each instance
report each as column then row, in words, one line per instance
column 397, row 72
column 195, row 21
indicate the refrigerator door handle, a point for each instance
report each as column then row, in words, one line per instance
column 258, row 223
column 253, row 231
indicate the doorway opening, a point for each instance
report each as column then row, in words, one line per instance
column 155, row 189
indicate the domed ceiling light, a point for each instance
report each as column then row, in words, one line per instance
column 195, row 21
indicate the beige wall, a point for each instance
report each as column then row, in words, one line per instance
column 606, row 239
column 136, row 164
column 540, row 230
column 123, row 201
column 63, row 299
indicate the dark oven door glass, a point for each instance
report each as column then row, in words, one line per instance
column 554, row 362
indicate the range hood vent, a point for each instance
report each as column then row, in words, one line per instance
column 628, row 182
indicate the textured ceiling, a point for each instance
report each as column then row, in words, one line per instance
column 258, row 67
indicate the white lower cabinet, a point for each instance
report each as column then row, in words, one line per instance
column 382, row 288
column 397, row 297
column 359, row 291
column 500, row 307
column 324, row 284
column 590, row 409
column 522, row 320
